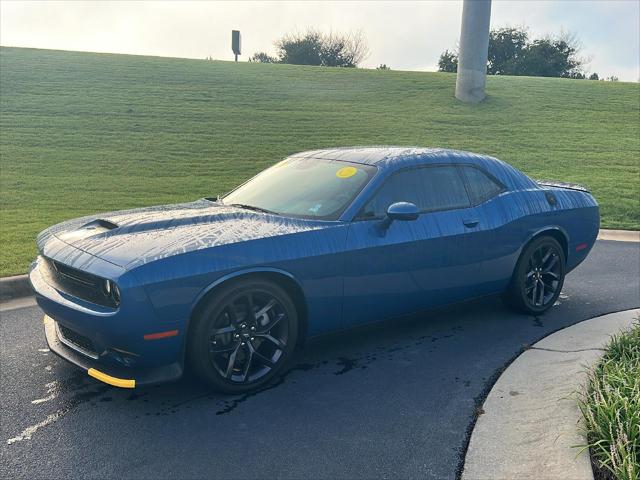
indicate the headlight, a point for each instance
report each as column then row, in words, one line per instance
column 111, row 290
column 115, row 293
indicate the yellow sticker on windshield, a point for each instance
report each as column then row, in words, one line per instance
column 346, row 172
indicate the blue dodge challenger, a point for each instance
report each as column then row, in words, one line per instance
column 323, row 240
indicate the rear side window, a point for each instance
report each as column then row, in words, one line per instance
column 429, row 188
column 480, row 185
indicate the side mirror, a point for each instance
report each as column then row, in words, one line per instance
column 403, row 211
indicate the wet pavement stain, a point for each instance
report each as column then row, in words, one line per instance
column 80, row 391
column 84, row 390
column 136, row 396
column 230, row 404
column 347, row 365
column 233, row 404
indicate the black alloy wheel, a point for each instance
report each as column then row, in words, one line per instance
column 543, row 276
column 538, row 278
column 243, row 336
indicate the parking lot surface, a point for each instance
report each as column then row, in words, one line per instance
column 397, row 399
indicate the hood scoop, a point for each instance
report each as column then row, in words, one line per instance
column 90, row 229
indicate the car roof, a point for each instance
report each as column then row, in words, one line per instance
column 393, row 157
column 390, row 158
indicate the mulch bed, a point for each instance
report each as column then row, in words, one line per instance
column 600, row 473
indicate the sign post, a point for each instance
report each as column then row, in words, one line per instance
column 235, row 42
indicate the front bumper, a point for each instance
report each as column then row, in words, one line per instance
column 122, row 377
column 121, row 346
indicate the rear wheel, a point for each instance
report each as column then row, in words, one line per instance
column 538, row 277
column 243, row 336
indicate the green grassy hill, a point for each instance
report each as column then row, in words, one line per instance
column 82, row 132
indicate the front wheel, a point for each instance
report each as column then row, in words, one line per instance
column 538, row 277
column 243, row 336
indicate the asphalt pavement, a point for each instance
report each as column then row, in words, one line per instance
column 397, row 399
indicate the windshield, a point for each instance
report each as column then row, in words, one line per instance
column 303, row 187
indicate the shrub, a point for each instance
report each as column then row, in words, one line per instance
column 610, row 406
column 448, row 62
column 262, row 57
column 316, row 48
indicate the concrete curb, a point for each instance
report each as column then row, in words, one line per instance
column 12, row 288
column 620, row 235
column 530, row 420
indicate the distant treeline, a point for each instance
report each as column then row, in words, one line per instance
column 512, row 52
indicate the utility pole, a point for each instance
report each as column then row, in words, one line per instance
column 474, row 46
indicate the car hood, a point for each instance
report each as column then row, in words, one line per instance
column 131, row 238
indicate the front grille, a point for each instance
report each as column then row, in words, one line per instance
column 76, row 283
column 75, row 275
column 76, row 341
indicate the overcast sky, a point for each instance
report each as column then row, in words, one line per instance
column 404, row 35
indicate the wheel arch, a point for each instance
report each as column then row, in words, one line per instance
column 280, row 277
column 556, row 232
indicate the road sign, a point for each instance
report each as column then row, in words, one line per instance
column 235, row 42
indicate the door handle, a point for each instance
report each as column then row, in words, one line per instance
column 472, row 222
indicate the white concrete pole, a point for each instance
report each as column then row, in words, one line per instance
column 474, row 45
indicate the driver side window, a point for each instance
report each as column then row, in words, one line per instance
column 429, row 188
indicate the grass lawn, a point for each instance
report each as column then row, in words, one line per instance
column 82, row 133
column 611, row 409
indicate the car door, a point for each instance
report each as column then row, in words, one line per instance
column 412, row 264
column 494, row 235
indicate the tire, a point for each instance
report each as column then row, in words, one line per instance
column 235, row 352
column 538, row 277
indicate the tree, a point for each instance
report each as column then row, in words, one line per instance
column 383, row 66
column 512, row 53
column 315, row 48
column 448, row 62
column 301, row 49
column 263, row 57
column 548, row 57
column 505, row 49
column 594, row 76
column 343, row 50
